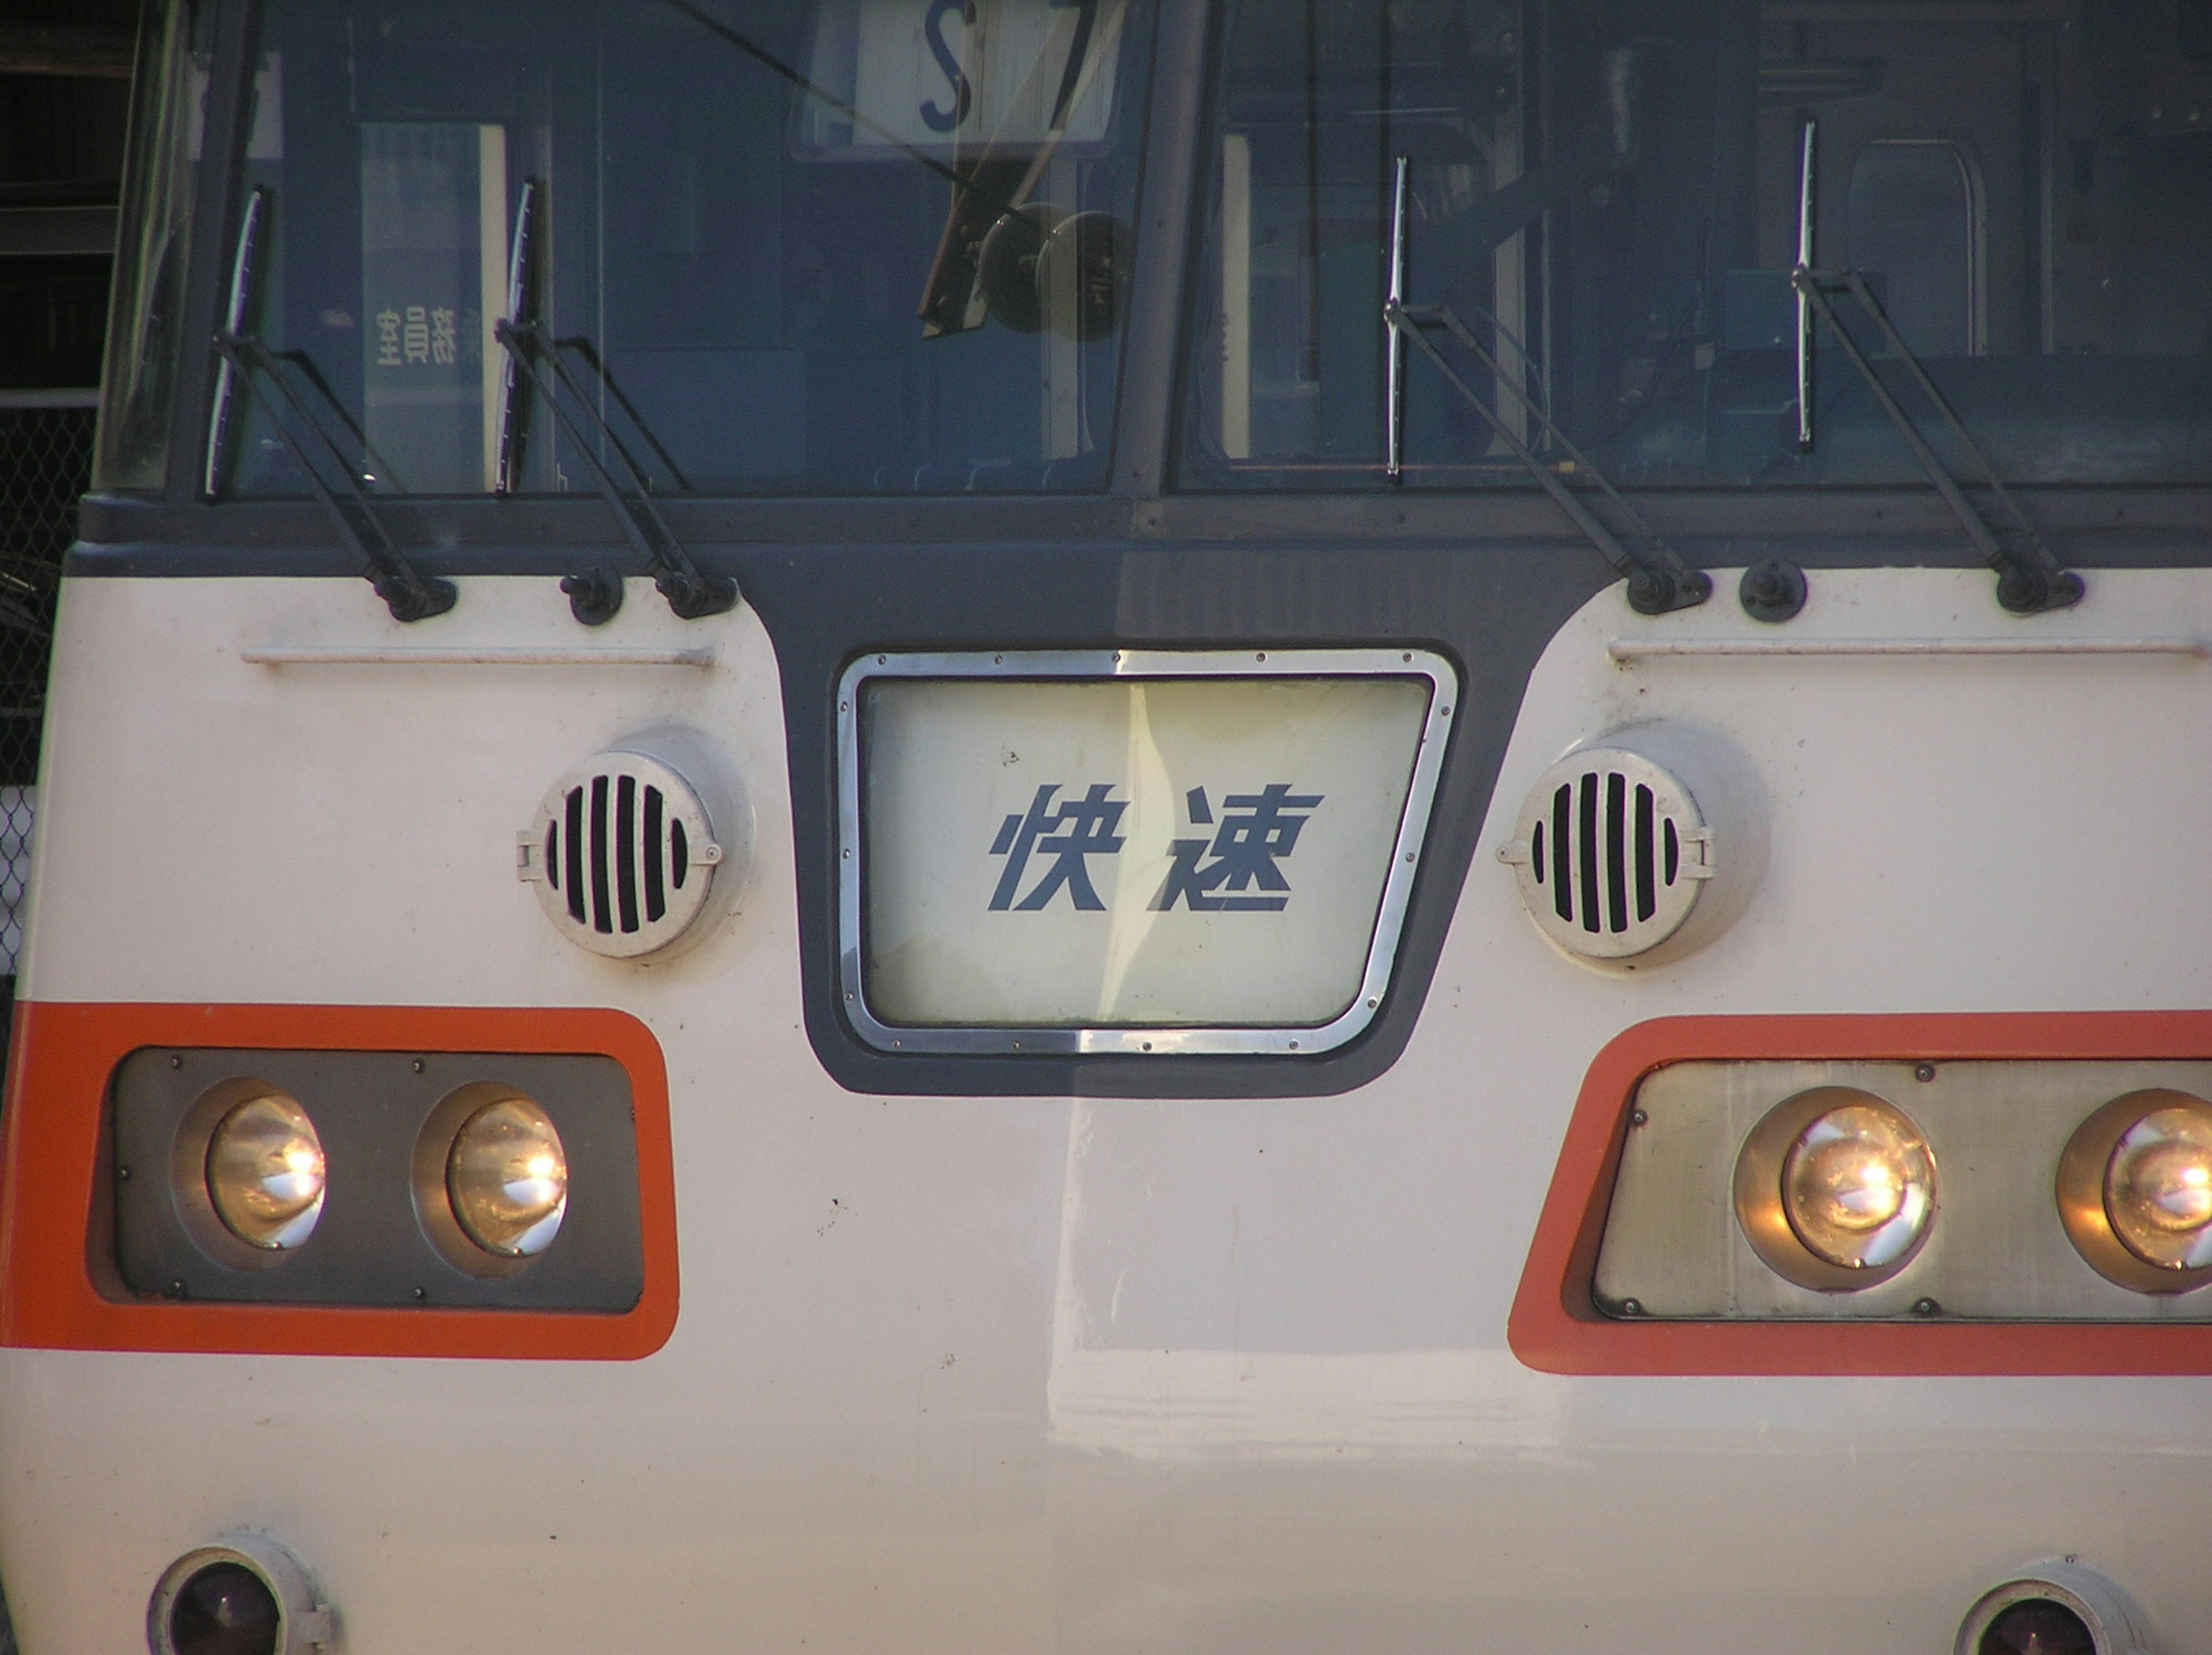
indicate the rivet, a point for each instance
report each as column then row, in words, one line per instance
column 1926, row 1307
column 1373, row 1002
column 1632, row 1307
column 1924, row 1072
column 1294, row 1045
column 1639, row 1118
column 420, row 1293
column 1407, row 657
column 1262, row 655
column 1148, row 1045
column 416, row 1066
column 175, row 1061
column 849, row 994
column 883, row 661
column 123, row 1175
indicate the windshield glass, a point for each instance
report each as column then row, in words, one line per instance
column 813, row 246
column 1608, row 197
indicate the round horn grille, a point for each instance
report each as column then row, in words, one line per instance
column 1619, row 844
column 622, row 853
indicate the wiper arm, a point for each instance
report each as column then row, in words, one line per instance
column 2030, row 580
column 595, row 595
column 409, row 594
column 1658, row 579
column 691, row 593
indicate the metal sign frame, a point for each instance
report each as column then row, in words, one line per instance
column 1092, row 665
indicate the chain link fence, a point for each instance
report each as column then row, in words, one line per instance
column 45, row 464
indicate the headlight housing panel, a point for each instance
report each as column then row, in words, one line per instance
column 1989, row 1190
column 214, row 1152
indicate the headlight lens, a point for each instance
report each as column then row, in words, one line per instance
column 1859, row 1186
column 2158, row 1188
column 507, row 1178
column 264, row 1173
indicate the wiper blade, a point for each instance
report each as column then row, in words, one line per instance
column 2030, row 580
column 691, row 593
column 1658, row 579
column 409, row 594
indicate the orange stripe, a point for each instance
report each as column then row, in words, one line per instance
column 1555, row 1329
column 62, row 1058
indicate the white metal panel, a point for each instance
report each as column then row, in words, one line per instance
column 985, row 1375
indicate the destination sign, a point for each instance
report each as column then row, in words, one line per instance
column 1198, row 852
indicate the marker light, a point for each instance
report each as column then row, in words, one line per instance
column 507, row 1178
column 1858, row 1186
column 225, row 1609
column 2158, row 1188
column 264, row 1173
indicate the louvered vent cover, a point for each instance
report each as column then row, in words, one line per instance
column 1613, row 852
column 621, row 854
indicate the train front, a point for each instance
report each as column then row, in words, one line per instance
column 1117, row 825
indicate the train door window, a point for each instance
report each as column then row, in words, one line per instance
column 797, row 246
column 1916, row 222
column 1603, row 201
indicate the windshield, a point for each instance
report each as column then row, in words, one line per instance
column 815, row 247
column 1609, row 198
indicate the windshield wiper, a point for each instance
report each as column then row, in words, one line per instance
column 409, row 594
column 1658, row 579
column 2030, row 579
column 692, row 593
column 535, row 361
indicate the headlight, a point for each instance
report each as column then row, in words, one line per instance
column 1835, row 1189
column 2135, row 1190
column 507, row 1178
column 1859, row 1185
column 264, row 1173
column 2158, row 1188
